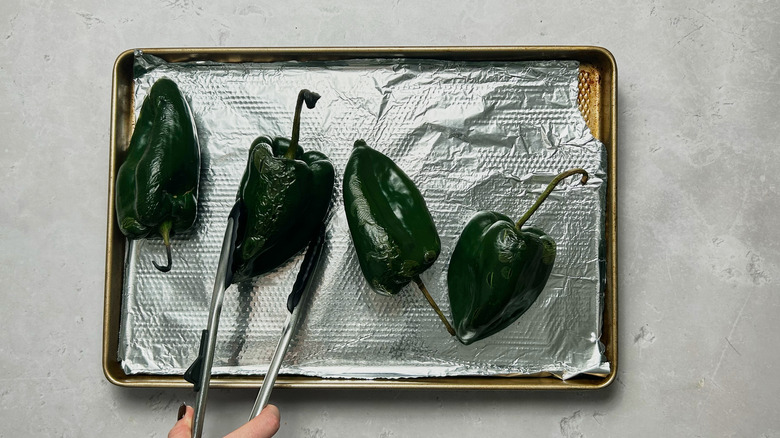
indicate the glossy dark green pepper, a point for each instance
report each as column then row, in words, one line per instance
column 157, row 185
column 284, row 195
column 392, row 230
column 498, row 269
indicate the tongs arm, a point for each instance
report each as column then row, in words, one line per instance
column 199, row 373
column 300, row 293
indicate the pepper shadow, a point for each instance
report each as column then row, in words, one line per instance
column 244, row 313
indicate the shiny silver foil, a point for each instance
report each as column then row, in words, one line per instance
column 473, row 136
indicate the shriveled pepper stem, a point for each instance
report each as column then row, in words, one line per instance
column 549, row 190
column 433, row 304
column 165, row 231
column 311, row 99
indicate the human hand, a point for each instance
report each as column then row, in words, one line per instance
column 264, row 425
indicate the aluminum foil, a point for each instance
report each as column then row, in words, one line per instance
column 473, row 136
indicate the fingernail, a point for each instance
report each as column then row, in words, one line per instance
column 182, row 411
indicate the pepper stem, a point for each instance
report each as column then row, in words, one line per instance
column 549, row 190
column 433, row 304
column 311, row 99
column 165, row 231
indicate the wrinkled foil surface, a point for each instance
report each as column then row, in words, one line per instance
column 472, row 135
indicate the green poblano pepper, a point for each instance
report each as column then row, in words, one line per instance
column 284, row 195
column 157, row 185
column 392, row 230
column 498, row 269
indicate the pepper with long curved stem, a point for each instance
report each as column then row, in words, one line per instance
column 285, row 193
column 393, row 232
column 499, row 268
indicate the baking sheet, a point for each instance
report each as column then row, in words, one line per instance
column 472, row 135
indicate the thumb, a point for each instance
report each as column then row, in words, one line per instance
column 183, row 427
column 264, row 425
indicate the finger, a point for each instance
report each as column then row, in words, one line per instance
column 264, row 425
column 183, row 427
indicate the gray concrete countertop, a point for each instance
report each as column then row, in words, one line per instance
column 699, row 98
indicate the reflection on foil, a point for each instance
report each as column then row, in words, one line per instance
column 473, row 136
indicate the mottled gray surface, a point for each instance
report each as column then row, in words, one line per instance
column 699, row 92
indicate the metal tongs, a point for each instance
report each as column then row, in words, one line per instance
column 199, row 373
